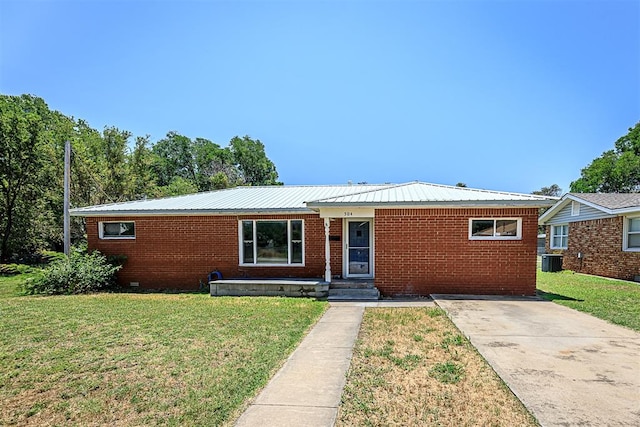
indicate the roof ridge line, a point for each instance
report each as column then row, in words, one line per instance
column 371, row 190
column 484, row 190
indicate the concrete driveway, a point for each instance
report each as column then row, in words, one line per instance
column 567, row 367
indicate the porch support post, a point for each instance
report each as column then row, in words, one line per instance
column 327, row 251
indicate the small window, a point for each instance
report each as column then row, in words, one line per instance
column 272, row 242
column 117, row 230
column 575, row 208
column 632, row 234
column 559, row 236
column 495, row 229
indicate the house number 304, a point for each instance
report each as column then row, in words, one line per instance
column 348, row 214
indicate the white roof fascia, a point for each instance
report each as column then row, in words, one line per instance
column 554, row 209
column 624, row 211
column 434, row 204
column 193, row 212
column 591, row 204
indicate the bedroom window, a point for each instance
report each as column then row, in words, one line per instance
column 495, row 228
column 272, row 242
column 559, row 236
column 117, row 230
column 632, row 234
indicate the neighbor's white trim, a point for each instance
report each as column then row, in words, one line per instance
column 625, row 234
column 553, row 227
column 575, row 208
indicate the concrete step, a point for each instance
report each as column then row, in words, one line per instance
column 351, row 284
column 369, row 294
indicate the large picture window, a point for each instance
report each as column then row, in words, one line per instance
column 495, row 229
column 632, row 234
column 117, row 230
column 272, row 242
column 559, row 236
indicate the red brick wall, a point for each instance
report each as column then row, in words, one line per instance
column 336, row 247
column 417, row 251
column 600, row 243
column 424, row 251
column 177, row 252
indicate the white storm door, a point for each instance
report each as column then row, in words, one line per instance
column 358, row 254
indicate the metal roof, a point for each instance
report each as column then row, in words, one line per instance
column 307, row 199
column 421, row 193
column 276, row 198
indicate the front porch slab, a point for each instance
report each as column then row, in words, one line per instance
column 310, row 288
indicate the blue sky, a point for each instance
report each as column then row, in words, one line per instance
column 503, row 95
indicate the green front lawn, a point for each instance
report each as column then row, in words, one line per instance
column 616, row 301
column 140, row 359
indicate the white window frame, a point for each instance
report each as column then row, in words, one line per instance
column 255, row 262
column 575, row 208
column 553, row 230
column 102, row 236
column 518, row 235
column 625, row 235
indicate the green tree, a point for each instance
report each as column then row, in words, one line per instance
column 177, row 187
column 616, row 170
column 554, row 191
column 252, row 161
column 22, row 136
column 143, row 182
column 173, row 157
column 214, row 166
column 117, row 183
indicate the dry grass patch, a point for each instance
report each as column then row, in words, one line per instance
column 411, row 366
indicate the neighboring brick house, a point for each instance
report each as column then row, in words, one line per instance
column 597, row 233
column 409, row 239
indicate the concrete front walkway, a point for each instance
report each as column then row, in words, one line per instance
column 306, row 391
column 567, row 367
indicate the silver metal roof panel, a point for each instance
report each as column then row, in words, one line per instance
column 307, row 199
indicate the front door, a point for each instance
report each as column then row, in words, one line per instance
column 358, row 253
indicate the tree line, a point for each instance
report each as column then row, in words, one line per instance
column 107, row 166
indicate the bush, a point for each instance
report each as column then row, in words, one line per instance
column 14, row 269
column 80, row 273
column 47, row 257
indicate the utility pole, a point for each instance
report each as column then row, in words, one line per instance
column 67, row 177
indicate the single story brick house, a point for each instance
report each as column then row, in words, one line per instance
column 409, row 239
column 598, row 233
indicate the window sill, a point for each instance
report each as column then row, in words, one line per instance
column 495, row 238
column 117, row 238
column 271, row 265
